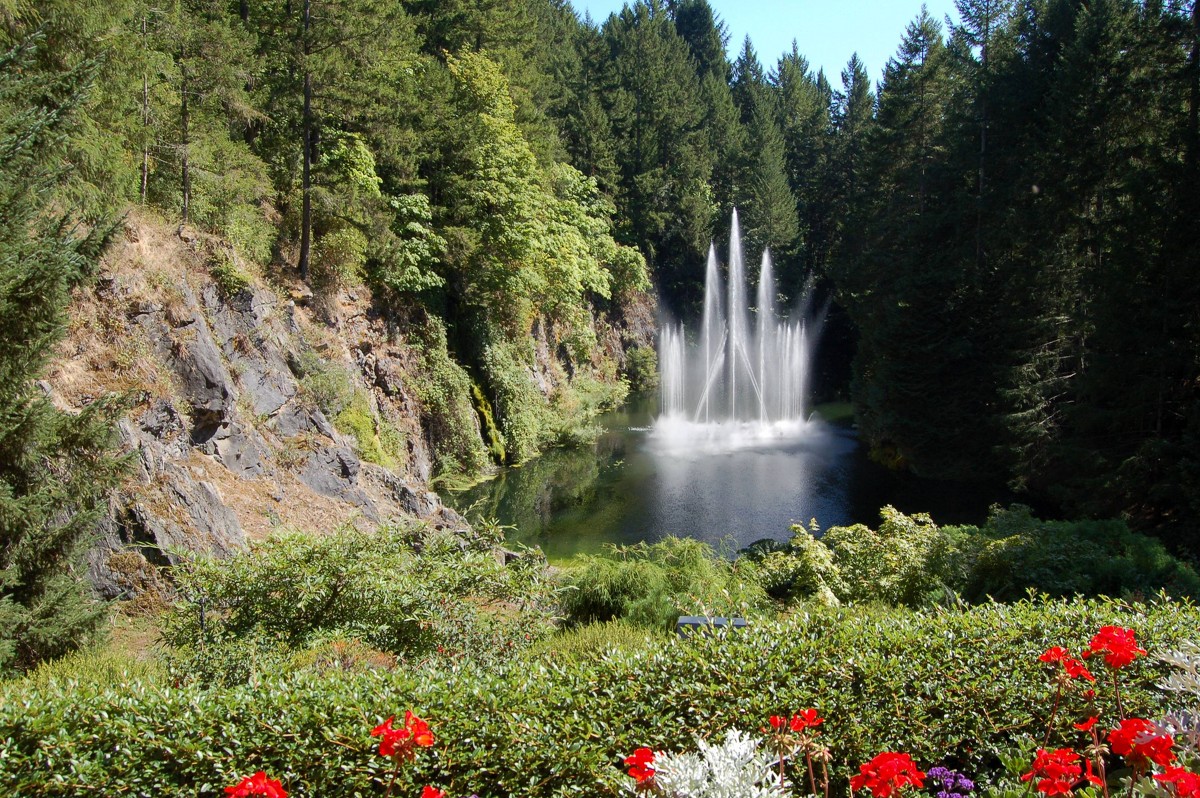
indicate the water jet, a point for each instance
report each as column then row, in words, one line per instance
column 738, row 383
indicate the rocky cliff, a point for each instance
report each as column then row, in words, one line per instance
column 231, row 383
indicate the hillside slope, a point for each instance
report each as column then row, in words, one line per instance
column 256, row 404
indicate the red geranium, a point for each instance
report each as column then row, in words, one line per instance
column 1136, row 740
column 1184, row 783
column 806, row 719
column 1087, row 724
column 777, row 721
column 1117, row 644
column 430, row 792
column 399, row 742
column 887, row 774
column 258, row 784
column 641, row 765
column 1054, row 654
column 1058, row 771
column 1074, row 668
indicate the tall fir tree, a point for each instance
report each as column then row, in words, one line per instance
column 768, row 207
column 55, row 467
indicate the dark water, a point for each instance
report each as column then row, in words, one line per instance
column 624, row 490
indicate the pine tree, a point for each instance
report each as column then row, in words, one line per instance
column 54, row 466
column 769, row 215
column 652, row 96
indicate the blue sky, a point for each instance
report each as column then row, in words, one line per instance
column 826, row 31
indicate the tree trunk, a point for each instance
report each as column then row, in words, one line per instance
column 145, row 126
column 306, row 133
column 1193, row 143
column 185, row 141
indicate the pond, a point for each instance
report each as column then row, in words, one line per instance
column 628, row 487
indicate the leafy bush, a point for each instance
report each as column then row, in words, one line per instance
column 444, row 390
column 585, row 643
column 412, row 592
column 652, row 584
column 913, row 562
column 1018, row 552
column 947, row 687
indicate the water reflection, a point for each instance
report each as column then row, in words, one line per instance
column 629, row 488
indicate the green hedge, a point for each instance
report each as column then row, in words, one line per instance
column 949, row 687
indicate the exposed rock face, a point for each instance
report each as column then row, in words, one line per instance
column 228, row 442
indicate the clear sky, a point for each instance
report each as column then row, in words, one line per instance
column 826, row 31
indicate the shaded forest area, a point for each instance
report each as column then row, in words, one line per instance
column 1008, row 221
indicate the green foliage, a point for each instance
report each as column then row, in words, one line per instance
column 911, row 561
column 375, row 439
column 55, row 467
column 412, row 592
column 326, row 384
column 448, row 417
column 523, row 409
column 230, row 278
column 1015, row 552
column 652, row 584
column 948, row 687
column 578, row 645
column 407, row 267
column 641, row 368
column 339, row 258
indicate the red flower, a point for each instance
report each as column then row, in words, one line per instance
column 258, row 784
column 1075, row 669
column 640, row 765
column 887, row 774
column 1055, row 654
column 806, row 719
column 777, row 722
column 1087, row 724
column 1116, row 644
column 399, row 742
column 393, row 739
column 1057, row 771
column 1135, row 740
column 419, row 730
column 430, row 792
column 1184, row 783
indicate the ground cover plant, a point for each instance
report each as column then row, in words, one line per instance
column 965, row 689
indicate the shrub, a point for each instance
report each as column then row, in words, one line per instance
column 444, row 390
column 412, row 592
column 587, row 642
column 652, row 584
column 948, row 687
column 913, row 562
column 1062, row 558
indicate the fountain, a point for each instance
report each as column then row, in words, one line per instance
column 739, row 383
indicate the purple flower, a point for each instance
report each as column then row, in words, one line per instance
column 953, row 783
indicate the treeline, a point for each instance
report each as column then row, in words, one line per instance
column 1009, row 218
column 1020, row 253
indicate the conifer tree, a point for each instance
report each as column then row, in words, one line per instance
column 769, row 214
column 55, row 467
